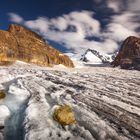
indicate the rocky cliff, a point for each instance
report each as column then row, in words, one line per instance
column 19, row 43
column 129, row 54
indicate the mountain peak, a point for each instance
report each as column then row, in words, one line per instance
column 16, row 28
column 129, row 54
column 20, row 43
column 94, row 56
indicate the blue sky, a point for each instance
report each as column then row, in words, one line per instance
column 30, row 9
column 76, row 25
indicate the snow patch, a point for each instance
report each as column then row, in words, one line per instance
column 4, row 114
column 92, row 58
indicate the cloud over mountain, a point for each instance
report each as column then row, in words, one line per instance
column 15, row 17
column 80, row 30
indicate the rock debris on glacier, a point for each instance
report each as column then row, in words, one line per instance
column 105, row 102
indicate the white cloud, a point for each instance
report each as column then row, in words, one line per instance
column 87, row 22
column 56, row 28
column 15, row 18
column 124, row 5
column 61, row 23
column 73, row 28
column 40, row 24
column 114, row 5
column 121, row 26
column 127, row 19
column 119, row 32
column 134, row 5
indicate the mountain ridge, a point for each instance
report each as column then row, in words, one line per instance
column 101, row 57
column 20, row 43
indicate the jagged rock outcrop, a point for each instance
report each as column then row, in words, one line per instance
column 19, row 43
column 129, row 54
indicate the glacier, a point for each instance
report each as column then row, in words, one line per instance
column 105, row 101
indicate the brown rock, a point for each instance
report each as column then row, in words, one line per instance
column 64, row 115
column 19, row 43
column 129, row 54
column 2, row 94
column 126, row 63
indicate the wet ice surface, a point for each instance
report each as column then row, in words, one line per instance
column 105, row 101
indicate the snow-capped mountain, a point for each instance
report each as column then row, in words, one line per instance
column 94, row 56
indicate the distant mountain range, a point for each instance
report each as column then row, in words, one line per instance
column 93, row 56
column 128, row 57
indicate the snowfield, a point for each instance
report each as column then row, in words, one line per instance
column 105, row 101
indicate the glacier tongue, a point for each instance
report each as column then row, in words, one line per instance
column 105, row 102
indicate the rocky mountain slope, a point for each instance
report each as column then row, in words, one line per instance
column 94, row 56
column 19, row 43
column 129, row 54
column 105, row 101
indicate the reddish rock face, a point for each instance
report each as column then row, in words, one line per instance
column 19, row 43
column 129, row 54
